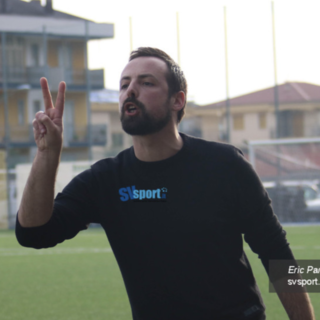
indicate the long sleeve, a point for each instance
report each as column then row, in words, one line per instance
column 74, row 208
column 260, row 226
column 266, row 237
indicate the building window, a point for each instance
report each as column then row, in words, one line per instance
column 35, row 61
column 9, row 40
column 20, row 112
column 238, row 122
column 69, row 112
column 291, row 124
column 117, row 139
column 36, row 106
column 68, row 120
column 15, row 57
column 65, row 56
column 20, row 41
column 262, row 120
column 298, row 124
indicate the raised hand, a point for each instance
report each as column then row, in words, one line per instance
column 48, row 125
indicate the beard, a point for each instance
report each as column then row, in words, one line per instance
column 143, row 123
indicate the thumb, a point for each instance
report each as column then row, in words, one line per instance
column 46, row 121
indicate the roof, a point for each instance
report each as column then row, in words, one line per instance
column 105, row 95
column 33, row 8
column 288, row 92
column 30, row 18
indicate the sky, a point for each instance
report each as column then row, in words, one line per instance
column 202, row 40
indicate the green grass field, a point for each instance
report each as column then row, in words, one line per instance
column 80, row 279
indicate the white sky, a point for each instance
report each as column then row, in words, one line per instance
column 202, row 40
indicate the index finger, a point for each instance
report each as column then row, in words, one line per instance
column 46, row 94
column 60, row 97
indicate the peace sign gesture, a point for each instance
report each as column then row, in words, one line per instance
column 48, row 125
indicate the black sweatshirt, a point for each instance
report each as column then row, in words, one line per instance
column 175, row 227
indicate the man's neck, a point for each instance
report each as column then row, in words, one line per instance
column 158, row 146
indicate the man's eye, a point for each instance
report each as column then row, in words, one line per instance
column 124, row 86
column 148, row 83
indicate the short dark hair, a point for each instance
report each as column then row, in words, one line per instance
column 175, row 77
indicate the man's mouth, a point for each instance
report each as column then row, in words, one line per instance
column 130, row 108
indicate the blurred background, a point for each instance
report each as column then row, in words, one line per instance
column 252, row 69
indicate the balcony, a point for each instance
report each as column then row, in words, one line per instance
column 75, row 78
column 15, row 75
column 74, row 136
column 77, row 136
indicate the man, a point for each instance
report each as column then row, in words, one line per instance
column 174, row 207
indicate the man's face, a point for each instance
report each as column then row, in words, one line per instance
column 144, row 102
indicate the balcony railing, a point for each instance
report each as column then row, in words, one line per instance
column 15, row 75
column 74, row 136
column 79, row 136
column 73, row 77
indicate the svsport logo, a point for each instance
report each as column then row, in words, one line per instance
column 131, row 193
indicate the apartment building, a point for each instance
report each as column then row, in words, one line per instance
column 37, row 41
column 252, row 116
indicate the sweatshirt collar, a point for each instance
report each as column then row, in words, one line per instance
column 156, row 168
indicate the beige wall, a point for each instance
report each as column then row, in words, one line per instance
column 17, row 132
column 78, row 54
column 251, row 130
column 103, row 107
column 80, row 106
column 13, row 98
column 107, row 113
column 210, row 128
column 80, row 103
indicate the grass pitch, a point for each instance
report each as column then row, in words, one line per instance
column 80, row 280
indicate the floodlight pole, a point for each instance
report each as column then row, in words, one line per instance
column 276, row 92
column 88, row 88
column 5, row 87
column 6, row 117
column 178, row 38
column 45, row 51
column 227, row 77
column 276, row 107
column 131, row 38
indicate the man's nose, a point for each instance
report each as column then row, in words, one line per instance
column 132, row 91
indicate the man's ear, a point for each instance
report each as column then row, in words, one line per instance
column 179, row 100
